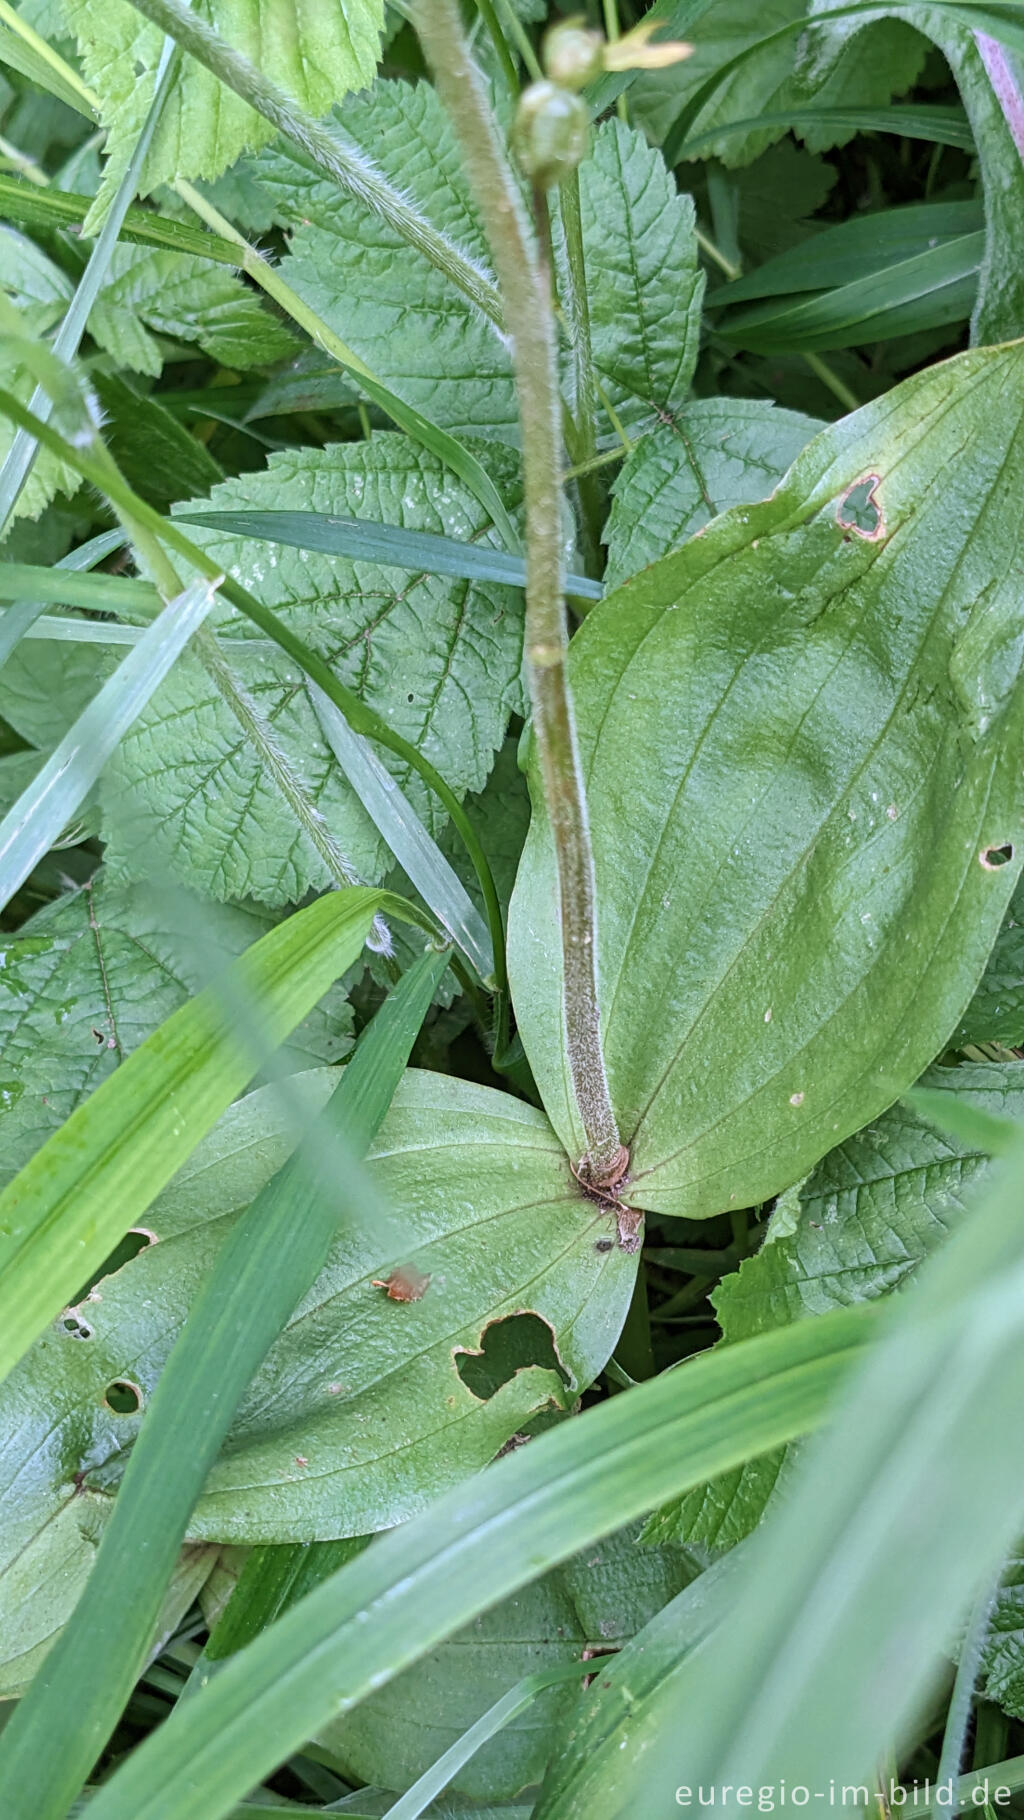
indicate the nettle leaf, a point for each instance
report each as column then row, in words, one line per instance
column 368, row 1405
column 150, row 292
column 315, row 52
column 996, row 1012
column 855, row 1230
column 147, row 292
column 425, row 340
column 598, row 1600
column 807, row 720
column 1002, row 1662
column 717, row 453
column 847, row 62
column 94, row 974
column 438, row 657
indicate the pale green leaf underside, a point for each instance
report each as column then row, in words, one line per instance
column 91, row 977
column 809, row 736
column 358, row 1416
column 717, row 453
column 422, row 337
column 316, row 52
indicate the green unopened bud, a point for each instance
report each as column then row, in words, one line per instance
column 550, row 133
column 573, row 55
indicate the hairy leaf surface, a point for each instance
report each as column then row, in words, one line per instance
column 315, row 52
column 438, row 657
column 717, row 453
column 798, row 736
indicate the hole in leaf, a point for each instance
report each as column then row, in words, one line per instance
column 859, row 511
column 994, row 857
column 509, row 1345
column 123, row 1397
column 127, row 1248
column 75, row 1326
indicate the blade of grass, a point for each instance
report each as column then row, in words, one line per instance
column 936, row 125
column 430, row 1577
column 93, row 1179
column 102, row 473
column 518, row 1700
column 20, row 54
column 33, row 823
column 422, row 551
column 266, row 1264
column 65, row 587
column 27, row 206
column 440, row 442
column 418, row 855
column 18, row 622
column 22, row 452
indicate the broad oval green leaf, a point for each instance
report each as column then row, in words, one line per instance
column 799, row 737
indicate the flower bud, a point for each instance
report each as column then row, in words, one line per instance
column 550, row 133
column 573, row 54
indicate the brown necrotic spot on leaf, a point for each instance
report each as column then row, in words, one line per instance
column 994, row 857
column 859, row 511
column 123, row 1397
column 406, row 1284
column 508, row 1345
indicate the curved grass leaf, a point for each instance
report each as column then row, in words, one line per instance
column 18, row 622
column 36, row 819
column 838, row 256
column 806, row 721
column 930, row 290
column 848, row 1602
column 267, row 1263
column 936, row 125
column 28, row 206
column 18, row 53
column 96, row 1176
column 425, row 1580
column 360, row 539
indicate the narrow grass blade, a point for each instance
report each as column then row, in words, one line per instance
column 266, row 1264
column 28, row 206
column 929, row 290
column 936, row 125
column 36, row 819
column 22, row 452
column 17, row 623
column 518, row 1700
column 18, row 54
column 421, row 551
column 64, row 587
column 425, row 1580
column 418, row 855
column 93, row 1179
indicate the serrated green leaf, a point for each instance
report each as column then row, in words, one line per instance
column 598, row 1600
column 98, row 1173
column 153, row 292
column 160, row 459
column 857, row 1229
column 317, row 53
column 427, row 342
column 996, row 1012
column 844, row 63
column 718, row 452
column 807, row 723
column 91, row 977
column 65, row 778
column 440, row 659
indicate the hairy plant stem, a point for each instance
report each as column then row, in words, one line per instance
column 100, row 471
column 530, row 321
column 346, row 165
